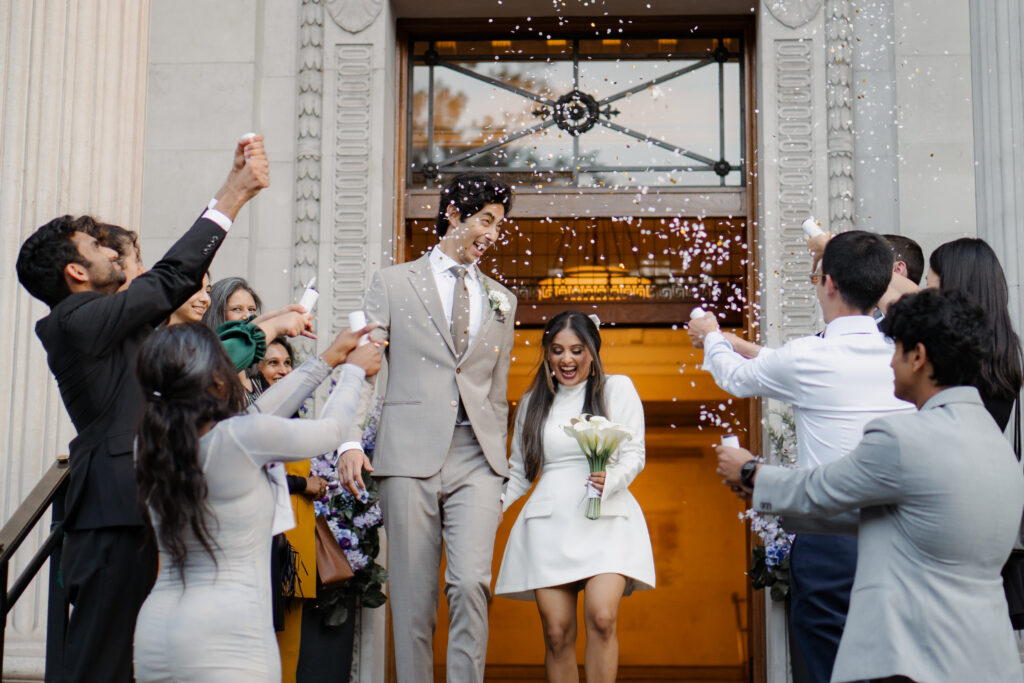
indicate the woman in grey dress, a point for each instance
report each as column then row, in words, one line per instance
column 200, row 466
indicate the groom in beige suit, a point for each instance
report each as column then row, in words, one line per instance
column 441, row 446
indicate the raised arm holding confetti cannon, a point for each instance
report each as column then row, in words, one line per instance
column 91, row 337
column 934, row 498
column 836, row 382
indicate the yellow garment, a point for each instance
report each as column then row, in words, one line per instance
column 302, row 537
column 303, row 540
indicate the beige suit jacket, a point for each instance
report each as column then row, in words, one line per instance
column 424, row 379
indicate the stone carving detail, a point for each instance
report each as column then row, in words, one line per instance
column 795, row 121
column 306, row 243
column 351, row 181
column 354, row 15
column 839, row 103
column 794, row 13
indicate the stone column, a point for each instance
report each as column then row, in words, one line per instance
column 997, row 74
column 74, row 74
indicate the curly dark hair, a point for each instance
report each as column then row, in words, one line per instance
column 953, row 329
column 46, row 253
column 187, row 380
column 971, row 266
column 542, row 388
column 121, row 240
column 469, row 193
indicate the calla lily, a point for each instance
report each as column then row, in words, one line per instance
column 599, row 438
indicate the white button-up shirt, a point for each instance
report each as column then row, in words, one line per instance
column 836, row 383
column 440, row 265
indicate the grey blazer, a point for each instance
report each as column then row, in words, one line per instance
column 940, row 495
column 424, row 379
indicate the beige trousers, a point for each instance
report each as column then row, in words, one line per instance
column 457, row 507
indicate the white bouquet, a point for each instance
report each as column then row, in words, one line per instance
column 598, row 438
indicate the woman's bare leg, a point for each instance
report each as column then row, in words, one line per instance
column 601, row 596
column 557, row 607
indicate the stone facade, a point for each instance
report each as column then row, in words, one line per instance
column 864, row 118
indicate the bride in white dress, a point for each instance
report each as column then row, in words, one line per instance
column 200, row 469
column 554, row 551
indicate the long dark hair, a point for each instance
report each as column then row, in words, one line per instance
column 187, row 380
column 543, row 387
column 969, row 265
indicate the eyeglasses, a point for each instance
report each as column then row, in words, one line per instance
column 815, row 279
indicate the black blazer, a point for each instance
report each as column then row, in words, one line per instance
column 91, row 341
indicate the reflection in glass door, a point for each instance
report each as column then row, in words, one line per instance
column 616, row 113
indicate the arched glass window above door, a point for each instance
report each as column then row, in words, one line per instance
column 620, row 113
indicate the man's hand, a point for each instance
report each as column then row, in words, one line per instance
column 368, row 357
column 816, row 245
column 350, row 467
column 250, row 173
column 700, row 328
column 730, row 460
column 346, row 340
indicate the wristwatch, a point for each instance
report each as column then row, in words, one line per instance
column 747, row 471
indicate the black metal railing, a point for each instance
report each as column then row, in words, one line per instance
column 49, row 491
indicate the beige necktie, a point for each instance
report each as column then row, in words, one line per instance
column 460, row 311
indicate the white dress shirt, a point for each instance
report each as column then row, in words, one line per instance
column 440, row 265
column 836, row 383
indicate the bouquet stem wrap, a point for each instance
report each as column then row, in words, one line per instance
column 598, row 438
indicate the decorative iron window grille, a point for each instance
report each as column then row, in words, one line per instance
column 579, row 112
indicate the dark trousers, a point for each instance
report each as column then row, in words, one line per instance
column 821, row 577
column 107, row 574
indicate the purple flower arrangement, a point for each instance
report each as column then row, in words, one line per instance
column 769, row 562
column 355, row 523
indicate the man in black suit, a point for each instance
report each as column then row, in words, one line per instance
column 91, row 337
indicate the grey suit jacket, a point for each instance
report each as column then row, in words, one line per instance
column 424, row 379
column 940, row 497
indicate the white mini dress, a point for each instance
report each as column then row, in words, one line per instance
column 552, row 542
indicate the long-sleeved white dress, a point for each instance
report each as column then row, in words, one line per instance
column 218, row 626
column 553, row 543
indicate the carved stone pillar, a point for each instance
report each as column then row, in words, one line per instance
column 800, row 126
column 344, row 223
column 71, row 141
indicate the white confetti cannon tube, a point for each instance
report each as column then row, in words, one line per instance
column 357, row 321
column 697, row 312
column 731, row 440
column 310, row 296
column 811, row 227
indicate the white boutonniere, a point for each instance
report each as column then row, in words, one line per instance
column 499, row 302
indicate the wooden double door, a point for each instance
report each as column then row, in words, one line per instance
column 695, row 625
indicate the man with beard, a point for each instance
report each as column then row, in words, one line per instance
column 91, row 337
